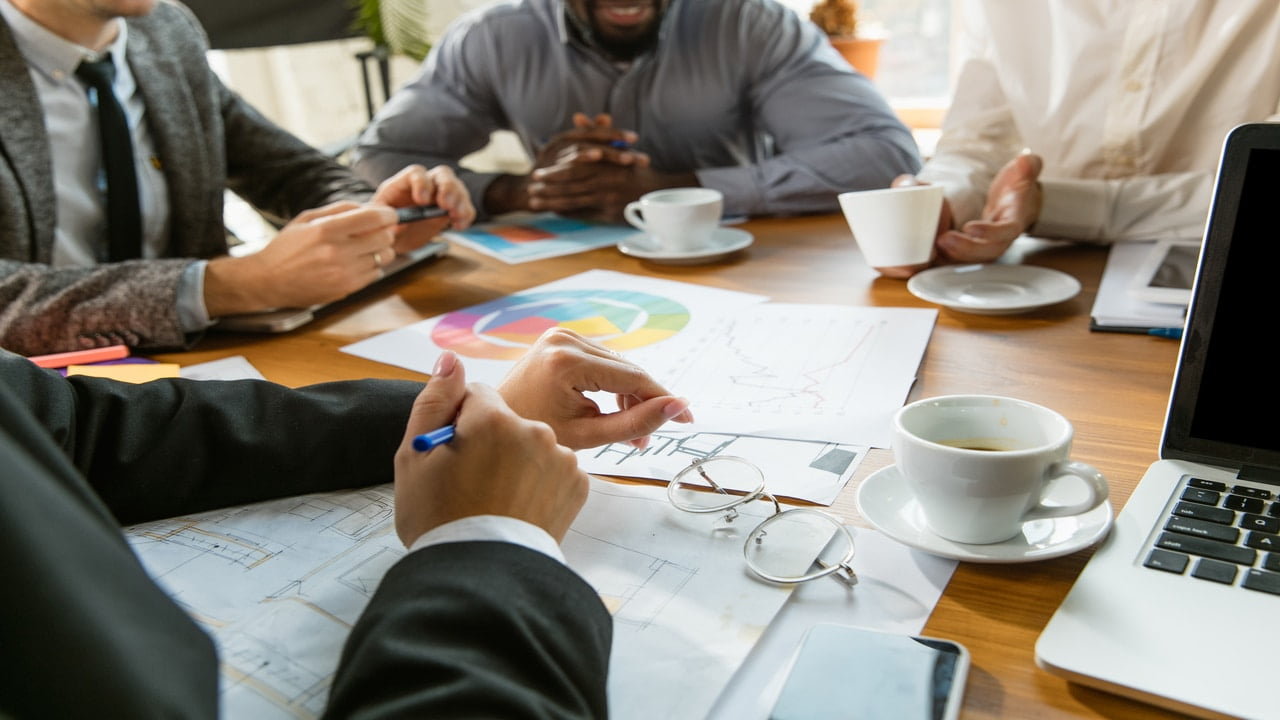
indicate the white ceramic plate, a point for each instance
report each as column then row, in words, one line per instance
column 722, row 242
column 885, row 501
column 993, row 289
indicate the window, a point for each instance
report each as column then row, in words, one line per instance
column 915, row 61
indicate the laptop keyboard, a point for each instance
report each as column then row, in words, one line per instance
column 1222, row 533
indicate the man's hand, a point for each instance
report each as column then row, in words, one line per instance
column 322, row 255
column 549, row 381
column 1013, row 206
column 497, row 464
column 415, row 185
column 590, row 172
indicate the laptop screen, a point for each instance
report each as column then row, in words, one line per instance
column 1226, row 396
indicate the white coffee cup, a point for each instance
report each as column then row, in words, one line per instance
column 894, row 226
column 981, row 465
column 678, row 219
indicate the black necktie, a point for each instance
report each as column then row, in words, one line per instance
column 124, row 219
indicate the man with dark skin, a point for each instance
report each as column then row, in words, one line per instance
column 612, row 99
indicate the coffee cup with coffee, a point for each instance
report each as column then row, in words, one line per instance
column 677, row 219
column 982, row 465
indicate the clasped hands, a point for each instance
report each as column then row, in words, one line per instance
column 511, row 454
column 590, row 172
column 327, row 253
column 1013, row 206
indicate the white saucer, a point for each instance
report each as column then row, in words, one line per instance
column 722, row 242
column 993, row 289
column 885, row 501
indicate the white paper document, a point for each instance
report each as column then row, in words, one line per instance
column 808, row 372
column 280, row 584
column 1117, row 307
column 801, row 469
column 622, row 312
column 235, row 367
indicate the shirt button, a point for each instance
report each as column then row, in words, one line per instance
column 1133, row 86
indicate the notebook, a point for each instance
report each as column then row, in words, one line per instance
column 1178, row 607
column 286, row 319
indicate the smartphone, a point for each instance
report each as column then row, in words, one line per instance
column 848, row 672
column 415, row 213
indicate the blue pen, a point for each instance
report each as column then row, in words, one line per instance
column 1173, row 333
column 433, row 439
column 620, row 144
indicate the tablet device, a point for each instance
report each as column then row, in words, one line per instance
column 1167, row 272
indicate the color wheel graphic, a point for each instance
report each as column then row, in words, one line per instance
column 505, row 328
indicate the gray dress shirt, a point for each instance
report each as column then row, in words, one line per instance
column 742, row 92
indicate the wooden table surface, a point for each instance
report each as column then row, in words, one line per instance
column 1113, row 388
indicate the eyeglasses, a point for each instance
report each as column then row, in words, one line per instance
column 789, row 546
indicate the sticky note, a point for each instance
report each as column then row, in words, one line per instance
column 127, row 373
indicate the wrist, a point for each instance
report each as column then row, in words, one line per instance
column 507, row 193
column 231, row 287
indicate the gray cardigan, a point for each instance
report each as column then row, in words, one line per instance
column 207, row 139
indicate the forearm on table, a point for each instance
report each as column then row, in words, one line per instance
column 1173, row 205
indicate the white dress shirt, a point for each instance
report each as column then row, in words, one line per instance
column 1127, row 101
column 79, row 184
column 493, row 528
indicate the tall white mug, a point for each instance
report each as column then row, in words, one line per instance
column 677, row 219
column 894, row 226
column 981, row 465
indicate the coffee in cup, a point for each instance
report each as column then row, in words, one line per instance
column 981, row 465
column 894, row 226
column 677, row 219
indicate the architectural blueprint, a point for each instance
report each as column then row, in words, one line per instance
column 280, row 584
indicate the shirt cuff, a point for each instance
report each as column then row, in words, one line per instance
column 193, row 316
column 478, row 184
column 493, row 528
column 1072, row 209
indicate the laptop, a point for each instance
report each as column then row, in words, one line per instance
column 1179, row 606
column 286, row 319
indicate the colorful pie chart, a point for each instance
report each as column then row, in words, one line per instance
column 505, row 328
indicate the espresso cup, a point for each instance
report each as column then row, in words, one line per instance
column 894, row 226
column 678, row 219
column 980, row 465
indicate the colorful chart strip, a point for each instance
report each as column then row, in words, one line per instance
column 504, row 329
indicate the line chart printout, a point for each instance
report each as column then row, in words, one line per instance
column 279, row 585
column 623, row 312
column 808, row 372
column 805, row 470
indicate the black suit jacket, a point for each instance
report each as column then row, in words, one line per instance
column 458, row 630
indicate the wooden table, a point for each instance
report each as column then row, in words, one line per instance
column 1113, row 387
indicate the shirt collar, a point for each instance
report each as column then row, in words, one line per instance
column 51, row 54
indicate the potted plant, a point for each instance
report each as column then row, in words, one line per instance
column 839, row 20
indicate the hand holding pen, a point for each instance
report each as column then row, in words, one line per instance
column 498, row 463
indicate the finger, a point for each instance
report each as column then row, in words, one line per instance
column 438, row 403
column 963, row 247
column 901, row 272
column 635, row 422
column 399, row 189
column 360, row 220
column 325, row 211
